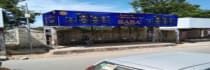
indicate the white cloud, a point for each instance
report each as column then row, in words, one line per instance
column 49, row 5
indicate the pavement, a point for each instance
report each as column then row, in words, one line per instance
column 83, row 60
column 84, row 49
column 65, row 50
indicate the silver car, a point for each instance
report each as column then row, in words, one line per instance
column 157, row 61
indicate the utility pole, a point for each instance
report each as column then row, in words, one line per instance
column 2, row 39
column 27, row 16
column 2, row 45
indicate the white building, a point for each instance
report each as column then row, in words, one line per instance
column 187, row 28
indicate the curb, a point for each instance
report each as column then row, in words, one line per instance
column 108, row 49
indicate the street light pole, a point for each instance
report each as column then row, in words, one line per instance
column 27, row 16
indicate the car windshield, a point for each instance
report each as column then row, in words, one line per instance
column 111, row 66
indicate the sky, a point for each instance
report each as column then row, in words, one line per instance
column 89, row 5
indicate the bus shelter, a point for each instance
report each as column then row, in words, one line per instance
column 75, row 27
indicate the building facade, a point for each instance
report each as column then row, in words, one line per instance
column 76, row 27
column 188, row 28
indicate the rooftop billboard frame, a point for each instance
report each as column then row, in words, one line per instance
column 86, row 18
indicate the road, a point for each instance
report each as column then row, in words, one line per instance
column 81, row 61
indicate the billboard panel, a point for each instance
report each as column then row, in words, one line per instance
column 1, row 18
column 84, row 18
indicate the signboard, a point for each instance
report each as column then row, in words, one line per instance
column 84, row 18
column 1, row 18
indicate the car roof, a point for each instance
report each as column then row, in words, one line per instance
column 164, row 61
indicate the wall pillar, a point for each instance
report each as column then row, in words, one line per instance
column 54, row 37
column 51, row 36
column 202, row 33
column 177, row 36
column 155, row 34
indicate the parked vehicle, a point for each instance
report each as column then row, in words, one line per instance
column 156, row 61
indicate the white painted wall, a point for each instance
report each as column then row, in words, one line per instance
column 193, row 23
column 200, row 23
column 188, row 23
column 183, row 23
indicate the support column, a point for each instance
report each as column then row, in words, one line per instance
column 129, row 30
column 46, row 33
column 91, row 40
column 54, row 41
column 119, row 33
column 202, row 33
column 177, row 36
column 137, row 33
column 146, row 35
column 51, row 36
column 155, row 34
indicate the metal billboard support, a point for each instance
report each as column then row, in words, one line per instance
column 27, row 16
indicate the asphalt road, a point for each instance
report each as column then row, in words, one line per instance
column 81, row 61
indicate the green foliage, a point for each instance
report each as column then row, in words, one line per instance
column 178, row 7
column 12, row 6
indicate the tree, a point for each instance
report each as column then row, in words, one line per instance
column 18, row 12
column 203, row 14
column 178, row 7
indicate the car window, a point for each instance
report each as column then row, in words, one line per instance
column 111, row 66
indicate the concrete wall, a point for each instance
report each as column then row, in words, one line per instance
column 38, row 38
column 18, row 37
column 11, row 37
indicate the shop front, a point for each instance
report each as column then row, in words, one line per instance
column 187, row 29
column 82, row 27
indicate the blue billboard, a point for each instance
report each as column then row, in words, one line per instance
column 85, row 18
